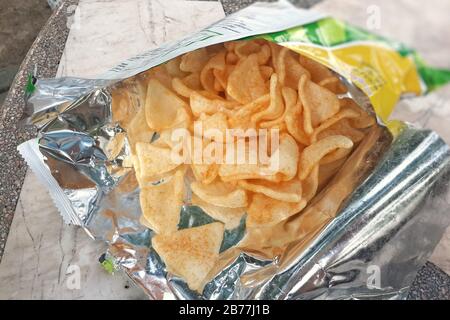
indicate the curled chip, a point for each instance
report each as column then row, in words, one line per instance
column 276, row 106
column 343, row 114
column 231, row 217
column 288, row 191
column 208, row 103
column 217, row 62
column 290, row 100
column 245, row 83
column 163, row 108
column 320, row 102
column 161, row 204
column 290, row 70
column 220, row 194
column 265, row 211
column 312, row 154
column 191, row 253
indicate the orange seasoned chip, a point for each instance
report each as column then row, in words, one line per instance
column 191, row 253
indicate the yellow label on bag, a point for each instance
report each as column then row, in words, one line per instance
column 380, row 72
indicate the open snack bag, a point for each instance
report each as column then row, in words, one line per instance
column 252, row 160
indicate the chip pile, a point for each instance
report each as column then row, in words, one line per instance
column 251, row 84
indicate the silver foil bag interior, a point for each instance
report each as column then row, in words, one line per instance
column 389, row 209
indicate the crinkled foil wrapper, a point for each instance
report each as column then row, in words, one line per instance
column 379, row 218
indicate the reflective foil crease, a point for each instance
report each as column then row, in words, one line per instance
column 364, row 236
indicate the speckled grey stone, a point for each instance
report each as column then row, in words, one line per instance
column 43, row 56
column 431, row 283
column 230, row 6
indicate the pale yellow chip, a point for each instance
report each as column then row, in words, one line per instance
column 264, row 211
column 288, row 191
column 245, row 82
column 153, row 160
column 312, row 154
column 194, row 61
column 163, row 108
column 320, row 102
column 220, row 194
column 191, row 253
column 231, row 217
column 161, row 204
